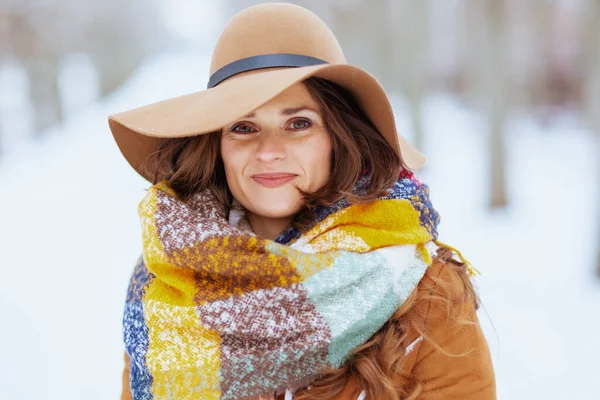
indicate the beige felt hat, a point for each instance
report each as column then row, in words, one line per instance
column 262, row 51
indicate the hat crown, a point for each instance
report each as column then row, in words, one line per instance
column 275, row 28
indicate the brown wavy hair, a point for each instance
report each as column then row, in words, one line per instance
column 193, row 164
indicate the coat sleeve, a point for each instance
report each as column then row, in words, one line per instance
column 126, row 392
column 456, row 362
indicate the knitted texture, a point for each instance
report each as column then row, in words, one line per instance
column 215, row 312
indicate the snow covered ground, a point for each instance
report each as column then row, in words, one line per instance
column 70, row 235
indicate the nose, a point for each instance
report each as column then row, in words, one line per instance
column 271, row 147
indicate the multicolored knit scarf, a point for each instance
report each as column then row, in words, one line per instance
column 214, row 312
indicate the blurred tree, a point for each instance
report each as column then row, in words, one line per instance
column 591, row 65
column 39, row 33
column 120, row 36
column 540, row 17
column 363, row 30
column 408, row 67
column 592, row 91
column 488, row 21
column 4, row 51
column 28, row 44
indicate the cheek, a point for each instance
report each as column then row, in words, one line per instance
column 233, row 160
column 317, row 160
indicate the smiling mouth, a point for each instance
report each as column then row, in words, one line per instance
column 274, row 179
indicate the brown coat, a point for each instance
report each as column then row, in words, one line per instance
column 444, row 377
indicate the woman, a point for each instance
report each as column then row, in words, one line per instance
column 289, row 251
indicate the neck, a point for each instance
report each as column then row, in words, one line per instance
column 267, row 228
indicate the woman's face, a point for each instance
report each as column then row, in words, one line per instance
column 269, row 153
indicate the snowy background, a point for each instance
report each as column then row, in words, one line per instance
column 69, row 234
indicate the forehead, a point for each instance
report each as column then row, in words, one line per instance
column 294, row 96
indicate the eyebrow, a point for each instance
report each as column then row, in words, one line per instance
column 288, row 111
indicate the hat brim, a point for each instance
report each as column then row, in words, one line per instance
column 138, row 131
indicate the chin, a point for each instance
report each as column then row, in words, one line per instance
column 276, row 207
column 276, row 212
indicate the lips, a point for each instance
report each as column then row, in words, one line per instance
column 274, row 179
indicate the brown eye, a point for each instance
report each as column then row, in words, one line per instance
column 300, row 124
column 243, row 129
